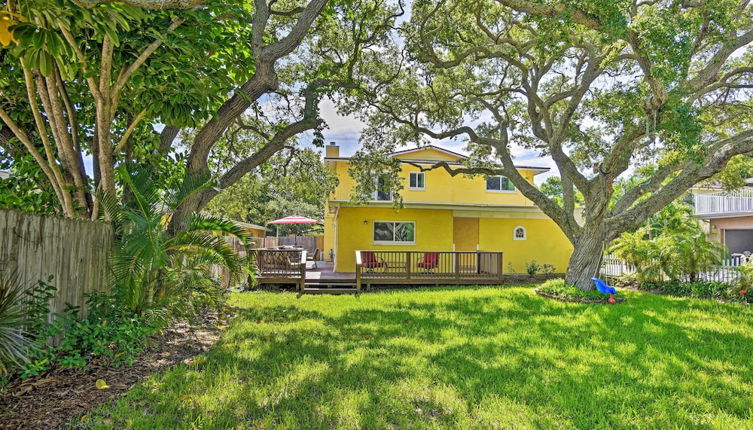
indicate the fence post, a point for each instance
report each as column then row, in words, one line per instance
column 358, row 271
column 408, row 264
column 499, row 265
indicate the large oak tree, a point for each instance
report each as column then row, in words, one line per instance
column 101, row 76
column 603, row 88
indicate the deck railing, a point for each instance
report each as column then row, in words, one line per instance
column 281, row 264
column 736, row 202
column 430, row 266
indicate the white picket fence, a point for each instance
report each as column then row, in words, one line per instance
column 612, row 267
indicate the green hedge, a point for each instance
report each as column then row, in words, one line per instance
column 701, row 290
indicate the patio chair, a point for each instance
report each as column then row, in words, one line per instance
column 370, row 261
column 314, row 256
column 430, row 261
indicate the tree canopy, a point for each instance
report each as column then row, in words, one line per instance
column 96, row 81
column 603, row 88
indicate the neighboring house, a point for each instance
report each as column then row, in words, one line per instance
column 253, row 230
column 729, row 214
column 441, row 213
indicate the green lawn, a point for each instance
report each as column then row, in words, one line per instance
column 497, row 357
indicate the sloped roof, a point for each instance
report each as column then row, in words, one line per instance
column 459, row 158
column 424, row 148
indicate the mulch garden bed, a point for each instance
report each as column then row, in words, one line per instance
column 578, row 300
column 61, row 395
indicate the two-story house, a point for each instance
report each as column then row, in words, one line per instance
column 441, row 213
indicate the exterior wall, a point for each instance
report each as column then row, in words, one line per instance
column 328, row 249
column 735, row 223
column 255, row 232
column 355, row 231
column 718, row 225
column 440, row 188
column 350, row 228
column 544, row 242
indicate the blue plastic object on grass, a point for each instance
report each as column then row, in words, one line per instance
column 603, row 287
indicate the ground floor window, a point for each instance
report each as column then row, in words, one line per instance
column 394, row 232
column 519, row 233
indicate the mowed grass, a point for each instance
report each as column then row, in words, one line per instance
column 491, row 357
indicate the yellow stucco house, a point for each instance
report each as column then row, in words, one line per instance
column 441, row 213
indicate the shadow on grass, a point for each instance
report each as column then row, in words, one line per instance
column 478, row 358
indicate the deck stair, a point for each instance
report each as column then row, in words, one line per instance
column 330, row 286
column 329, row 290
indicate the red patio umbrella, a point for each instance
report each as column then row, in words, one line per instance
column 293, row 219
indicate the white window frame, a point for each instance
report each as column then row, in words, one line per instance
column 486, row 185
column 515, row 236
column 375, row 194
column 392, row 242
column 421, row 174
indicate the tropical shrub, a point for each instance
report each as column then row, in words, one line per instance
column 672, row 245
column 532, row 267
column 14, row 342
column 687, row 255
column 743, row 290
column 155, row 269
column 547, row 269
column 108, row 333
column 696, row 289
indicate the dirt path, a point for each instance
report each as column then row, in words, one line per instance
column 62, row 395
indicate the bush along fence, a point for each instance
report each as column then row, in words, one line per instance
column 613, row 267
column 73, row 255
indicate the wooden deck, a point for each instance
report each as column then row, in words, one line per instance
column 379, row 268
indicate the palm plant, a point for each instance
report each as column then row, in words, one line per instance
column 691, row 254
column 640, row 253
column 150, row 264
column 14, row 343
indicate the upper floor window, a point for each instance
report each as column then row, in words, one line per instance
column 417, row 181
column 519, row 233
column 382, row 192
column 499, row 184
column 394, row 232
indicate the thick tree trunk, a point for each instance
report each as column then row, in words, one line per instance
column 586, row 258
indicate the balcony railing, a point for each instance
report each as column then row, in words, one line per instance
column 732, row 203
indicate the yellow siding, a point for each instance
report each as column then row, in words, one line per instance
column 544, row 242
column 348, row 228
column 355, row 231
column 440, row 188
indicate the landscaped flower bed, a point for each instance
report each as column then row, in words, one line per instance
column 558, row 290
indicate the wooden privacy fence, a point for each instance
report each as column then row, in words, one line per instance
column 427, row 267
column 75, row 253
